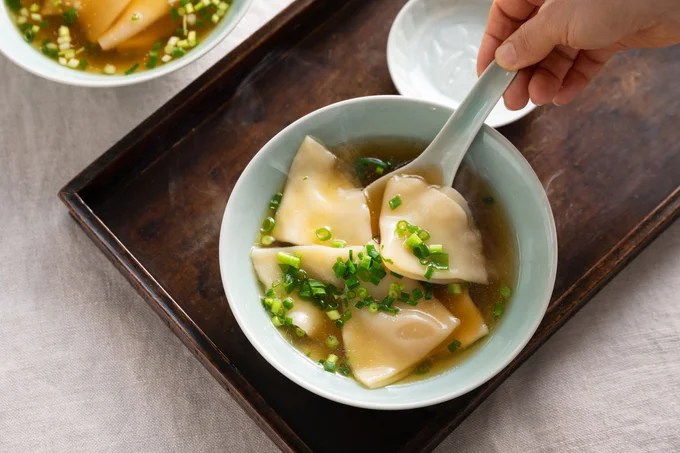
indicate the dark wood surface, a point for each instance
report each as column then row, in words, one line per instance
column 154, row 202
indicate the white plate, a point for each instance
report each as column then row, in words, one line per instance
column 432, row 53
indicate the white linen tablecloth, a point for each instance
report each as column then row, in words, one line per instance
column 86, row 366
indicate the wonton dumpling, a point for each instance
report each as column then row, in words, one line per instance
column 145, row 40
column 147, row 12
column 96, row 16
column 444, row 213
column 317, row 195
column 383, row 348
column 318, row 262
column 472, row 326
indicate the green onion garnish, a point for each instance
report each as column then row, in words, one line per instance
column 373, row 308
column 395, row 202
column 506, row 292
column 440, row 261
column 267, row 240
column 455, row 288
column 332, row 341
column 421, row 251
column 413, row 241
column 338, row 243
column 394, row 274
column 362, row 292
column 276, row 320
column 333, row 315
column 132, row 69
column 344, row 369
column 323, row 233
column 70, row 16
column 498, row 310
column 299, row 332
column 423, row 368
column 352, row 282
column 288, row 303
column 429, row 272
column 275, row 201
column 417, row 294
column 351, row 294
column 285, row 258
column 424, row 235
column 455, row 344
column 436, row 248
column 402, row 227
column 267, row 225
column 428, row 291
column 339, row 269
column 359, row 305
column 330, row 363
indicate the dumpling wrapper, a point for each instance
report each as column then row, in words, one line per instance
column 147, row 11
column 145, row 40
column 318, row 262
column 472, row 326
column 96, row 16
column 444, row 213
column 317, row 195
column 383, row 348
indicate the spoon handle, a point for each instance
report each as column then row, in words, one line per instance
column 451, row 144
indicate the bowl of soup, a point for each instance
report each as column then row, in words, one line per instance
column 387, row 304
column 112, row 43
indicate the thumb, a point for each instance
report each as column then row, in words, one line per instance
column 531, row 43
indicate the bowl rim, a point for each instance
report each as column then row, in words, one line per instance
column 113, row 81
column 408, row 89
column 356, row 402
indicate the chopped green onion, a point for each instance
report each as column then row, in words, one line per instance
column 351, row 294
column 267, row 240
column 339, row 323
column 132, row 69
column 373, row 308
column 362, row 292
column 498, row 310
column 332, row 341
column 440, row 261
column 339, row 269
column 455, row 344
column 299, row 332
column 267, row 225
column 394, row 274
column 395, row 202
column 506, row 292
column 275, row 201
column 379, row 170
column 276, row 306
column 359, row 305
column 288, row 303
column 428, row 291
column 423, row 368
column 333, row 315
column 276, row 320
column 352, row 282
column 417, row 294
column 424, row 235
column 436, row 248
column 330, row 363
column 429, row 272
column 455, row 288
column 285, row 258
column 82, row 64
column 421, row 251
column 288, row 321
column 413, row 240
column 344, row 369
column 323, row 234
column 402, row 226
column 338, row 243
column 70, row 16
column 318, row 288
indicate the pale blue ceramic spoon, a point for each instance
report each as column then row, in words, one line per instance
column 448, row 148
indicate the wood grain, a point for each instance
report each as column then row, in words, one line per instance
column 154, row 202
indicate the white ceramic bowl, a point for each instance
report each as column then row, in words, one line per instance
column 23, row 54
column 432, row 53
column 491, row 156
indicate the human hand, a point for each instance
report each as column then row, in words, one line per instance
column 560, row 45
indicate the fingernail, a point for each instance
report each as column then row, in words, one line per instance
column 506, row 55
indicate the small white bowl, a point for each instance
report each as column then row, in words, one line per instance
column 432, row 53
column 24, row 55
column 491, row 156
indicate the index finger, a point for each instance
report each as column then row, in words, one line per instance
column 505, row 18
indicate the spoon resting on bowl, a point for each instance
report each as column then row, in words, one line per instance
column 441, row 159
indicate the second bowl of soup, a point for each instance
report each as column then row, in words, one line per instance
column 402, row 305
column 112, row 43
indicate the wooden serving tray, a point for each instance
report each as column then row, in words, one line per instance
column 154, row 202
